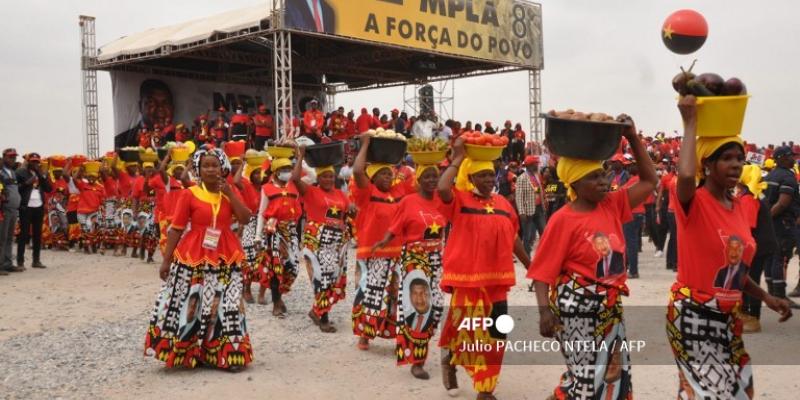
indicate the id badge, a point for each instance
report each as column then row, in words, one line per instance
column 211, row 238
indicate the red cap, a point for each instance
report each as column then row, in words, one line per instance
column 531, row 160
column 618, row 157
column 395, row 111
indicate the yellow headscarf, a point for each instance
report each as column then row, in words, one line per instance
column 319, row 171
column 173, row 166
column 148, row 164
column 751, row 177
column 248, row 170
column 769, row 164
column 571, row 170
column 373, row 168
column 706, row 146
column 422, row 168
column 279, row 163
column 471, row 167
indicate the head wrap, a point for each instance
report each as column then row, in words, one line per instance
column 751, row 177
column 571, row 170
column 148, row 164
column 173, row 166
column 707, row 145
column 224, row 163
column 373, row 168
column 320, row 170
column 279, row 163
column 769, row 164
column 422, row 168
column 470, row 167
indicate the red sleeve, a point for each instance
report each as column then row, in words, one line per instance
column 622, row 205
column 397, row 225
column 81, row 185
column 449, row 210
column 180, row 217
column 546, row 266
column 156, row 183
column 361, row 196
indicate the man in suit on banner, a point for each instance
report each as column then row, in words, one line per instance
column 310, row 15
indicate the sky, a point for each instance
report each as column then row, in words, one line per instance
column 599, row 56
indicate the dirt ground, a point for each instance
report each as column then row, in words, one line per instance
column 76, row 330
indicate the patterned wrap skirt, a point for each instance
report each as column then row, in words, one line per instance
column 279, row 259
column 420, row 300
column 593, row 340
column 325, row 247
column 706, row 340
column 251, row 250
column 477, row 349
column 374, row 311
column 199, row 319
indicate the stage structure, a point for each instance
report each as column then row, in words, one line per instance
column 443, row 99
column 283, row 53
column 91, row 145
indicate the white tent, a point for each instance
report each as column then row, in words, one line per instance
column 185, row 33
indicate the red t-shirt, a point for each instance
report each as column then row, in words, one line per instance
column 191, row 208
column 726, row 241
column 125, row 183
column 250, row 195
column 375, row 211
column 479, row 251
column 363, row 123
column 264, row 130
column 91, row 197
column 284, row 202
column 111, row 187
column 160, row 188
column 668, row 183
column 238, row 119
column 418, row 219
column 634, row 180
column 325, row 207
column 576, row 242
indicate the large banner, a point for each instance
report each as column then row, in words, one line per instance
column 146, row 100
column 508, row 31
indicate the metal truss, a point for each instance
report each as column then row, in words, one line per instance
column 535, row 102
column 282, row 67
column 89, row 84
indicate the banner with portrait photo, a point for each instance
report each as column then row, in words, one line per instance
column 146, row 100
column 508, row 31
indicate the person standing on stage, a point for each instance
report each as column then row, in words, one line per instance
column 199, row 316
column 34, row 184
column 279, row 212
column 314, row 122
column 478, row 276
column 265, row 127
column 584, row 263
column 375, row 304
column 712, row 277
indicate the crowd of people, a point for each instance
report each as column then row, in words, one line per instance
column 224, row 218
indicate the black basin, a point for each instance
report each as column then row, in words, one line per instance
column 587, row 140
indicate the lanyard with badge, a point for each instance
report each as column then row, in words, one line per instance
column 212, row 235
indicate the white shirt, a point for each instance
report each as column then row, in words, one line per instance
column 445, row 133
column 319, row 9
column 36, row 199
column 423, row 129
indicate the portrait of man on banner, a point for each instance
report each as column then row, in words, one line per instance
column 156, row 107
column 310, row 15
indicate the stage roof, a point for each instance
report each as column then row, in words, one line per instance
column 236, row 47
